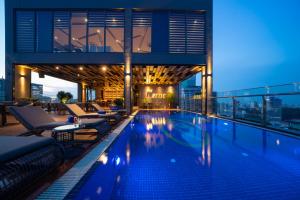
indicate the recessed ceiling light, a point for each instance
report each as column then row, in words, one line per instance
column 104, row 68
column 80, row 68
column 57, row 67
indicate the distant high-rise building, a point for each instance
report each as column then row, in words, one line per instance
column 190, row 95
column 36, row 90
column 2, row 89
column 274, row 110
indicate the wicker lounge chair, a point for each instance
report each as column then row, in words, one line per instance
column 74, row 109
column 24, row 160
column 36, row 120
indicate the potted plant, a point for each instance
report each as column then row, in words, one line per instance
column 119, row 103
column 64, row 97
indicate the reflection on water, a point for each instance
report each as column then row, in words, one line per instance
column 99, row 190
column 158, row 120
column 128, row 153
column 103, row 158
column 149, row 126
column 154, row 140
column 170, row 126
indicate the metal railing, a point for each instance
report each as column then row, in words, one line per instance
column 275, row 107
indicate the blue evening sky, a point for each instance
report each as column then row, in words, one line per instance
column 256, row 43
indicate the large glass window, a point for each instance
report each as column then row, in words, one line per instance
column 114, row 32
column 61, row 38
column 141, row 38
column 25, row 34
column 96, row 32
column 78, row 38
column 63, row 31
column 44, row 27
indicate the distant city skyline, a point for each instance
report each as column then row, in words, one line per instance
column 255, row 42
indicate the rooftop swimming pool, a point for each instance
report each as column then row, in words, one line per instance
column 181, row 155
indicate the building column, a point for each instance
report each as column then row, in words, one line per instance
column 79, row 92
column 22, row 80
column 9, row 80
column 207, row 72
column 128, row 67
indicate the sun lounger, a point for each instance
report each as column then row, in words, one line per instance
column 74, row 109
column 36, row 120
column 99, row 108
column 24, row 160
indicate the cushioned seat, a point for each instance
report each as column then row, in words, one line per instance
column 51, row 125
column 14, row 147
column 74, row 109
column 35, row 119
column 99, row 108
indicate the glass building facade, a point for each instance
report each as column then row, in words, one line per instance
column 103, row 31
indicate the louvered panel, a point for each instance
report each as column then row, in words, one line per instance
column 114, row 19
column 96, row 19
column 177, row 33
column 25, row 34
column 195, row 27
column 61, row 20
column 142, row 19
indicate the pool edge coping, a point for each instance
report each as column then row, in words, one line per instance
column 61, row 187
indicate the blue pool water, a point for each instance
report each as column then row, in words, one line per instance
column 180, row 155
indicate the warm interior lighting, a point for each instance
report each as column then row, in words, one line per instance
column 80, row 68
column 104, row 68
column 57, row 67
column 78, row 75
column 170, row 90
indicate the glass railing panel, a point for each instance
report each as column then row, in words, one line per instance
column 225, row 107
column 191, row 104
column 277, row 89
column 249, row 108
column 283, row 112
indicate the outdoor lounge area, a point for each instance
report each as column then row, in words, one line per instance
column 37, row 146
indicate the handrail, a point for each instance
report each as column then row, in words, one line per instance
column 257, row 95
column 261, row 87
